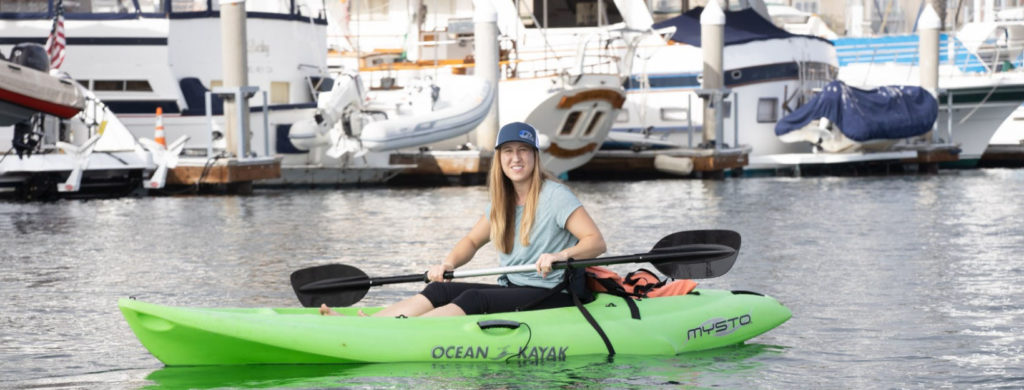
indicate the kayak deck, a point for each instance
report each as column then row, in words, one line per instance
column 701, row 320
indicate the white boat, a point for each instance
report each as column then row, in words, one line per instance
column 160, row 54
column 350, row 119
column 570, row 96
column 1011, row 131
column 27, row 87
column 1003, row 42
column 977, row 93
column 72, row 146
column 975, row 98
column 768, row 72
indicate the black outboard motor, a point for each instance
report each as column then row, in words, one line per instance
column 26, row 138
column 32, row 55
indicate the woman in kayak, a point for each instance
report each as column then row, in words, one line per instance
column 531, row 219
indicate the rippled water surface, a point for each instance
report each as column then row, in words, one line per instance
column 910, row 282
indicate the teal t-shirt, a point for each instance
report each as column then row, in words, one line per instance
column 548, row 235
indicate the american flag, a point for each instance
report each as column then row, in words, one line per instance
column 55, row 43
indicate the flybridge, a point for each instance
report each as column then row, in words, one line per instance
column 112, row 10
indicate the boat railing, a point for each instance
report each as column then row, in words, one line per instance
column 603, row 59
column 516, row 62
column 990, row 55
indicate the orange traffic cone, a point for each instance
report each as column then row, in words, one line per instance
column 158, row 135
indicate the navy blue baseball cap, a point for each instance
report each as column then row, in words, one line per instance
column 517, row 131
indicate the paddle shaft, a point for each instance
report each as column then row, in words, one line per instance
column 699, row 251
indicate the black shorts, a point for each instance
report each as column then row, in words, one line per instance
column 479, row 298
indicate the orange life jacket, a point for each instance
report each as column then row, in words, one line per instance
column 637, row 284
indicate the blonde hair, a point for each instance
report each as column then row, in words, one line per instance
column 503, row 203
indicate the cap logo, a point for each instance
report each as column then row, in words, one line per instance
column 527, row 135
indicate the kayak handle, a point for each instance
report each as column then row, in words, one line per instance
column 507, row 324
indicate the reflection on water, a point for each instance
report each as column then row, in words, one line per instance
column 726, row 363
column 908, row 281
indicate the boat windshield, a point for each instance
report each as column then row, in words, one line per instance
column 569, row 13
column 84, row 7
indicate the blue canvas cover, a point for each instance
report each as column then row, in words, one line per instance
column 740, row 27
column 889, row 112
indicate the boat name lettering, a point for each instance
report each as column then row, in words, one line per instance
column 719, row 327
column 459, row 352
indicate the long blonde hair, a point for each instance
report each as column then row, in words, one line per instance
column 503, row 203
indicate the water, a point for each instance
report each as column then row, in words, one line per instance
column 909, row 282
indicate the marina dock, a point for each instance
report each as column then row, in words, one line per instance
column 703, row 163
column 443, row 168
column 223, row 175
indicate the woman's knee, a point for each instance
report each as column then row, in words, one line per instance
column 437, row 293
column 471, row 302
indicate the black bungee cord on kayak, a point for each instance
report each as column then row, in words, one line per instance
column 574, row 281
column 529, row 338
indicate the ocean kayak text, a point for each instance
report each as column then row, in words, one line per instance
column 555, row 353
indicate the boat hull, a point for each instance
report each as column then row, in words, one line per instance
column 25, row 91
column 669, row 326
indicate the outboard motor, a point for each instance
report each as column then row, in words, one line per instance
column 32, row 55
column 332, row 107
column 26, row 139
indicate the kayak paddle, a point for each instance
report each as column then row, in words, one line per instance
column 693, row 254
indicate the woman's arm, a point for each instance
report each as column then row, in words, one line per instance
column 464, row 250
column 591, row 242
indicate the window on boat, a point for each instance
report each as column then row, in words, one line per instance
column 119, row 85
column 145, row 6
column 666, row 7
column 594, row 122
column 674, row 114
column 726, row 109
column 569, row 13
column 767, row 110
column 137, row 86
column 30, row 6
column 108, row 85
column 570, row 123
column 279, row 92
column 99, row 7
column 188, row 6
column 268, row 6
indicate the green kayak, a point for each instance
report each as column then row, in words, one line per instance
column 701, row 320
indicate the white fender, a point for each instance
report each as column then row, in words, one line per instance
column 80, row 156
column 674, row 165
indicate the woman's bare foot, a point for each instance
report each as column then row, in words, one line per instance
column 326, row 311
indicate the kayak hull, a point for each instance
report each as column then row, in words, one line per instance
column 698, row 321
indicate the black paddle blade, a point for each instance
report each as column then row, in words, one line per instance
column 302, row 278
column 711, row 266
